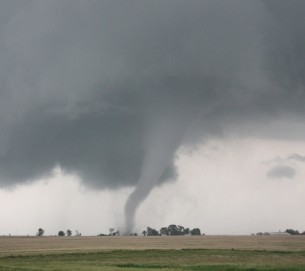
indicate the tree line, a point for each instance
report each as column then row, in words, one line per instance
column 171, row 230
column 68, row 232
column 295, row 232
column 288, row 231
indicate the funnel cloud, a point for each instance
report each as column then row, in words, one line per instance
column 110, row 90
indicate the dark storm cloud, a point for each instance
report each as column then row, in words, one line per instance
column 111, row 89
column 285, row 42
column 83, row 84
column 281, row 171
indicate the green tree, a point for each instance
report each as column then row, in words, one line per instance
column 175, row 230
column 195, row 231
column 292, row 232
column 69, row 232
column 186, row 231
column 152, row 232
column 61, row 233
column 164, row 231
column 40, row 232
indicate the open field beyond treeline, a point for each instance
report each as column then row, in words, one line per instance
column 153, row 253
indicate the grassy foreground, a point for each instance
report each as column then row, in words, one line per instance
column 153, row 253
column 158, row 259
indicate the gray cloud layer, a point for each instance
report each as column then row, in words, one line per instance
column 296, row 157
column 281, row 171
column 292, row 157
column 104, row 88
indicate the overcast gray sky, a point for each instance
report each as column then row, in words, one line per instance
column 186, row 109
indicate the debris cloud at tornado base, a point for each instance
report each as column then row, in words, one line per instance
column 110, row 90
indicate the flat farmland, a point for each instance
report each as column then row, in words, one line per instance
column 153, row 253
column 30, row 245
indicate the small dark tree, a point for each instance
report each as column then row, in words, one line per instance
column 152, row 232
column 61, row 233
column 69, row 232
column 186, row 231
column 180, row 230
column 175, row 230
column 164, row 231
column 40, row 232
column 172, row 229
column 195, row 231
column 144, row 232
column 292, row 232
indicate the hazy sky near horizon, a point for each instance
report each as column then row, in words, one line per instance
column 223, row 188
column 134, row 113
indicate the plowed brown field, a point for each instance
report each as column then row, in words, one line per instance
column 34, row 245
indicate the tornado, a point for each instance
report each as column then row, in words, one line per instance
column 163, row 138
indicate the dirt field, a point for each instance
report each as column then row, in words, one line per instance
column 206, row 253
column 33, row 245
